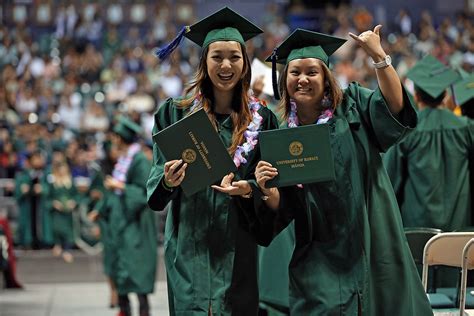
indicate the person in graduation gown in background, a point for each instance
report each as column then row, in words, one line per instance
column 211, row 261
column 429, row 169
column 464, row 94
column 351, row 256
column 131, row 224
column 62, row 194
column 99, row 213
column 31, row 190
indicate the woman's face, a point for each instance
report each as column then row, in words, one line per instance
column 225, row 64
column 305, row 81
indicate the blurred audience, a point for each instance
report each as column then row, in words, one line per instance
column 62, row 87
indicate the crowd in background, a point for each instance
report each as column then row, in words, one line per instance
column 61, row 91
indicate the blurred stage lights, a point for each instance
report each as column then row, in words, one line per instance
column 85, row 88
column 55, row 118
column 99, row 97
column 75, row 99
column 32, row 118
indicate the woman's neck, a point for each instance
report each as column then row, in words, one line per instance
column 223, row 102
column 307, row 114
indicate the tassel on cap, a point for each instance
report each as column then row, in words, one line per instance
column 274, row 59
column 164, row 52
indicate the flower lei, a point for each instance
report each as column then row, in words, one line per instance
column 251, row 134
column 293, row 119
column 123, row 164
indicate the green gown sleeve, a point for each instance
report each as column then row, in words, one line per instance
column 157, row 196
column 135, row 190
column 374, row 110
column 395, row 162
column 20, row 179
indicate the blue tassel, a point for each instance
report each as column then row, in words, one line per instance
column 274, row 58
column 164, row 52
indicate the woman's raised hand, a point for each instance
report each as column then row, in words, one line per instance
column 175, row 172
column 370, row 43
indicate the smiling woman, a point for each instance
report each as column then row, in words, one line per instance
column 211, row 262
column 349, row 255
column 225, row 66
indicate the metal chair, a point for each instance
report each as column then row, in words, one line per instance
column 417, row 238
column 467, row 264
column 444, row 249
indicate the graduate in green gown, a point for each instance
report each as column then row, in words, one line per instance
column 131, row 224
column 464, row 93
column 351, row 256
column 99, row 213
column 31, row 190
column 211, row 261
column 62, row 194
column 430, row 168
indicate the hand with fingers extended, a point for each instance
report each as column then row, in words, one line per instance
column 264, row 172
column 175, row 171
column 370, row 43
column 230, row 187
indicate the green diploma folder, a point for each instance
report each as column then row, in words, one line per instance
column 195, row 140
column 301, row 154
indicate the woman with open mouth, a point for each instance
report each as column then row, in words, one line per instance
column 211, row 262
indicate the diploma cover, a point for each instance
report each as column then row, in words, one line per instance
column 301, row 154
column 195, row 140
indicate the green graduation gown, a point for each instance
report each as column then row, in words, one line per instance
column 351, row 252
column 430, row 171
column 62, row 221
column 211, row 261
column 103, row 221
column 132, row 232
column 24, row 201
column 273, row 263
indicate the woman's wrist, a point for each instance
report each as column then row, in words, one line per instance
column 249, row 194
column 265, row 193
column 167, row 186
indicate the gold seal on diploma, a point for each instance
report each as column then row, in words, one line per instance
column 296, row 148
column 188, row 155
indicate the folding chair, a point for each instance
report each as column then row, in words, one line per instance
column 467, row 264
column 417, row 238
column 444, row 249
column 454, row 292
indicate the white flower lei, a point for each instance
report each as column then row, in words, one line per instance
column 251, row 134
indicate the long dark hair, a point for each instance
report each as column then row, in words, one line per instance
column 202, row 84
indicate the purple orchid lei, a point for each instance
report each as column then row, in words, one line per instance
column 251, row 134
column 293, row 120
